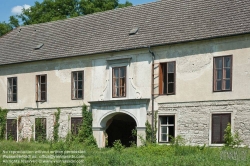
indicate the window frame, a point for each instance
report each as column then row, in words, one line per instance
column 35, row 133
column 125, row 82
column 76, row 128
column 72, row 85
column 7, row 131
column 38, row 88
column 12, row 89
column 167, row 125
column 161, row 78
column 223, row 73
column 221, row 141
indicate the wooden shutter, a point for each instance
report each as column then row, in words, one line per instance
column 37, row 78
column 160, row 78
column 12, row 129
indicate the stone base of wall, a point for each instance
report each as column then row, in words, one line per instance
column 26, row 121
column 193, row 119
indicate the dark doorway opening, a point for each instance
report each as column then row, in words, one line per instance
column 120, row 127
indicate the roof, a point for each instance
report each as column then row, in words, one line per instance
column 162, row 22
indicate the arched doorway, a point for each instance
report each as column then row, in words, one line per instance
column 120, row 127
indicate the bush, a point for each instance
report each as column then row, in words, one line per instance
column 231, row 140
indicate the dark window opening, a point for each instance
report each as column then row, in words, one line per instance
column 166, row 128
column 77, row 85
column 12, row 90
column 119, row 82
column 223, row 73
column 11, row 129
column 167, row 78
column 40, row 129
column 76, row 124
column 219, row 124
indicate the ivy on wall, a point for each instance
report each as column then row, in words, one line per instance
column 85, row 134
column 3, row 119
column 56, row 125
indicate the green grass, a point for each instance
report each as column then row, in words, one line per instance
column 143, row 156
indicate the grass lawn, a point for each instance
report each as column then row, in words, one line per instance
column 63, row 153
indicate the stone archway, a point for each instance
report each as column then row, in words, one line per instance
column 128, row 112
column 120, row 127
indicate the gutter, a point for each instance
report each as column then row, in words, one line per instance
column 152, row 90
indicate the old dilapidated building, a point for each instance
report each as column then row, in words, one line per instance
column 188, row 61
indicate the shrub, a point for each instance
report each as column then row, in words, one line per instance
column 56, row 125
column 3, row 116
column 231, row 140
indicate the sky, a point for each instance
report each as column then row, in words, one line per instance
column 13, row 7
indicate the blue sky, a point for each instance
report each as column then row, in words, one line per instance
column 13, row 7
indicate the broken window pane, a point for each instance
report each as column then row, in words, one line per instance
column 227, row 62
column 41, row 90
column 167, row 78
column 218, row 63
column 119, row 82
column 170, row 67
column 12, row 89
column 222, row 72
column 79, row 76
column 77, row 85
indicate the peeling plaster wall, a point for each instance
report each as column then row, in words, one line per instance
column 194, row 69
column 194, row 119
column 194, row 82
column 26, row 121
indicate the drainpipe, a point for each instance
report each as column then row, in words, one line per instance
column 152, row 90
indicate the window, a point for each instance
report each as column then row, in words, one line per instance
column 41, row 87
column 11, row 129
column 166, row 128
column 223, row 73
column 12, row 90
column 219, row 124
column 77, row 85
column 75, row 125
column 167, row 78
column 40, row 129
column 119, row 82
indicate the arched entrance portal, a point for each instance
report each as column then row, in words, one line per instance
column 120, row 127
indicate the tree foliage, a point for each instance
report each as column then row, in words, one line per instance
column 52, row 10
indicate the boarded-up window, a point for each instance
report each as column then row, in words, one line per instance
column 167, row 78
column 119, row 82
column 166, row 128
column 41, row 87
column 219, row 124
column 40, row 129
column 12, row 90
column 76, row 124
column 77, row 85
column 11, row 129
column 223, row 73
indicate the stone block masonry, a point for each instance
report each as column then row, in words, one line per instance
column 26, row 121
column 194, row 119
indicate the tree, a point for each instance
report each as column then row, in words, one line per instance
column 4, row 28
column 92, row 6
column 51, row 10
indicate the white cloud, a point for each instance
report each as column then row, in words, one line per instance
column 18, row 9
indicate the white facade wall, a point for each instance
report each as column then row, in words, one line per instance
column 194, row 84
